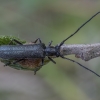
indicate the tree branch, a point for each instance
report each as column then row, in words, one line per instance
column 83, row 51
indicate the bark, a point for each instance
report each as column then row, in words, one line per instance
column 84, row 51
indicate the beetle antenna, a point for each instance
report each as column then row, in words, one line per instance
column 71, row 36
column 80, row 65
column 79, row 28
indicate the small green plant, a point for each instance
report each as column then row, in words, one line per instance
column 5, row 40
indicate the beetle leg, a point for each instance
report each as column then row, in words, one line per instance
column 36, row 69
column 49, row 43
column 17, row 61
column 35, row 72
column 51, row 60
column 42, row 62
column 37, row 40
column 16, row 41
column 40, row 40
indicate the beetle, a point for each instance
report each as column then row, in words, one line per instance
column 22, row 52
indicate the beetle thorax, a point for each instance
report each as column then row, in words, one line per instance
column 50, row 51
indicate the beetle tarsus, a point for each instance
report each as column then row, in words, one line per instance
column 35, row 72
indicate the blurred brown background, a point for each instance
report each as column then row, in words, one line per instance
column 51, row 20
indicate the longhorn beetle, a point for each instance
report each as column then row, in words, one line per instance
column 31, row 51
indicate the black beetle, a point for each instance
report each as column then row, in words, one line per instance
column 21, row 52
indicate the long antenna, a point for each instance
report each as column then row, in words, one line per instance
column 80, row 65
column 79, row 28
column 71, row 36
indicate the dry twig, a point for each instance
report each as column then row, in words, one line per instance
column 83, row 51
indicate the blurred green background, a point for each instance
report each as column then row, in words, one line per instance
column 51, row 20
